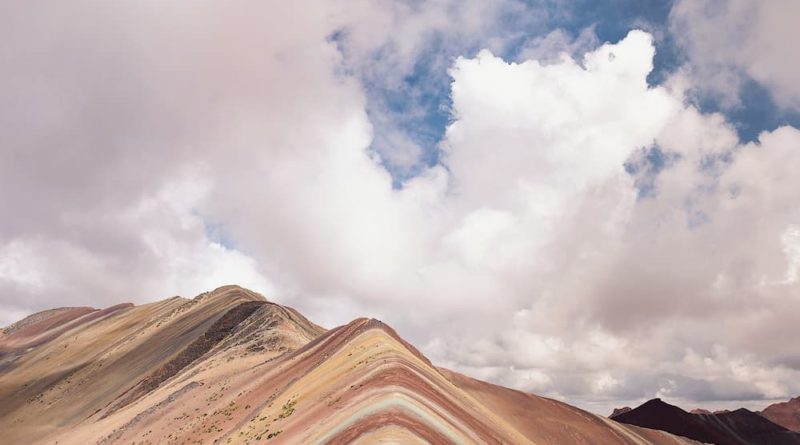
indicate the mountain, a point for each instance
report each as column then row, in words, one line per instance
column 739, row 427
column 231, row 367
column 785, row 414
column 659, row 415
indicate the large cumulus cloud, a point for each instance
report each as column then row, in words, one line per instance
column 584, row 235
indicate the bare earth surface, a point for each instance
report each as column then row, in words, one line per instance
column 785, row 414
column 231, row 367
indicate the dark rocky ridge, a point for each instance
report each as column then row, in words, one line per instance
column 215, row 334
column 618, row 411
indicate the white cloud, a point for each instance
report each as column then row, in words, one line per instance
column 791, row 247
column 727, row 38
column 550, row 47
column 18, row 265
column 168, row 252
column 526, row 256
column 614, row 278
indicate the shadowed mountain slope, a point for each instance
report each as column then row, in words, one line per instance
column 751, row 428
column 230, row 367
column 740, row 427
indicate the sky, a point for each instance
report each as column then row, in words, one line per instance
column 594, row 201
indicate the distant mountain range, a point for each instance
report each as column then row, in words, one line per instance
column 229, row 367
column 776, row 425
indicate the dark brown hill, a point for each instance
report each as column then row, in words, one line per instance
column 740, row 427
column 660, row 415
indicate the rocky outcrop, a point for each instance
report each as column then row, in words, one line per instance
column 618, row 411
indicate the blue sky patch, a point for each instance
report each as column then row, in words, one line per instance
column 418, row 105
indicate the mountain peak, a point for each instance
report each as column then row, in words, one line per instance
column 786, row 414
column 231, row 292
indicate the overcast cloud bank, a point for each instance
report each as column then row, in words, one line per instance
column 583, row 235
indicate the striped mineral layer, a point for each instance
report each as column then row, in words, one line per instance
column 229, row 367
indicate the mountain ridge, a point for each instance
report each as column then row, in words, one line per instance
column 229, row 366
